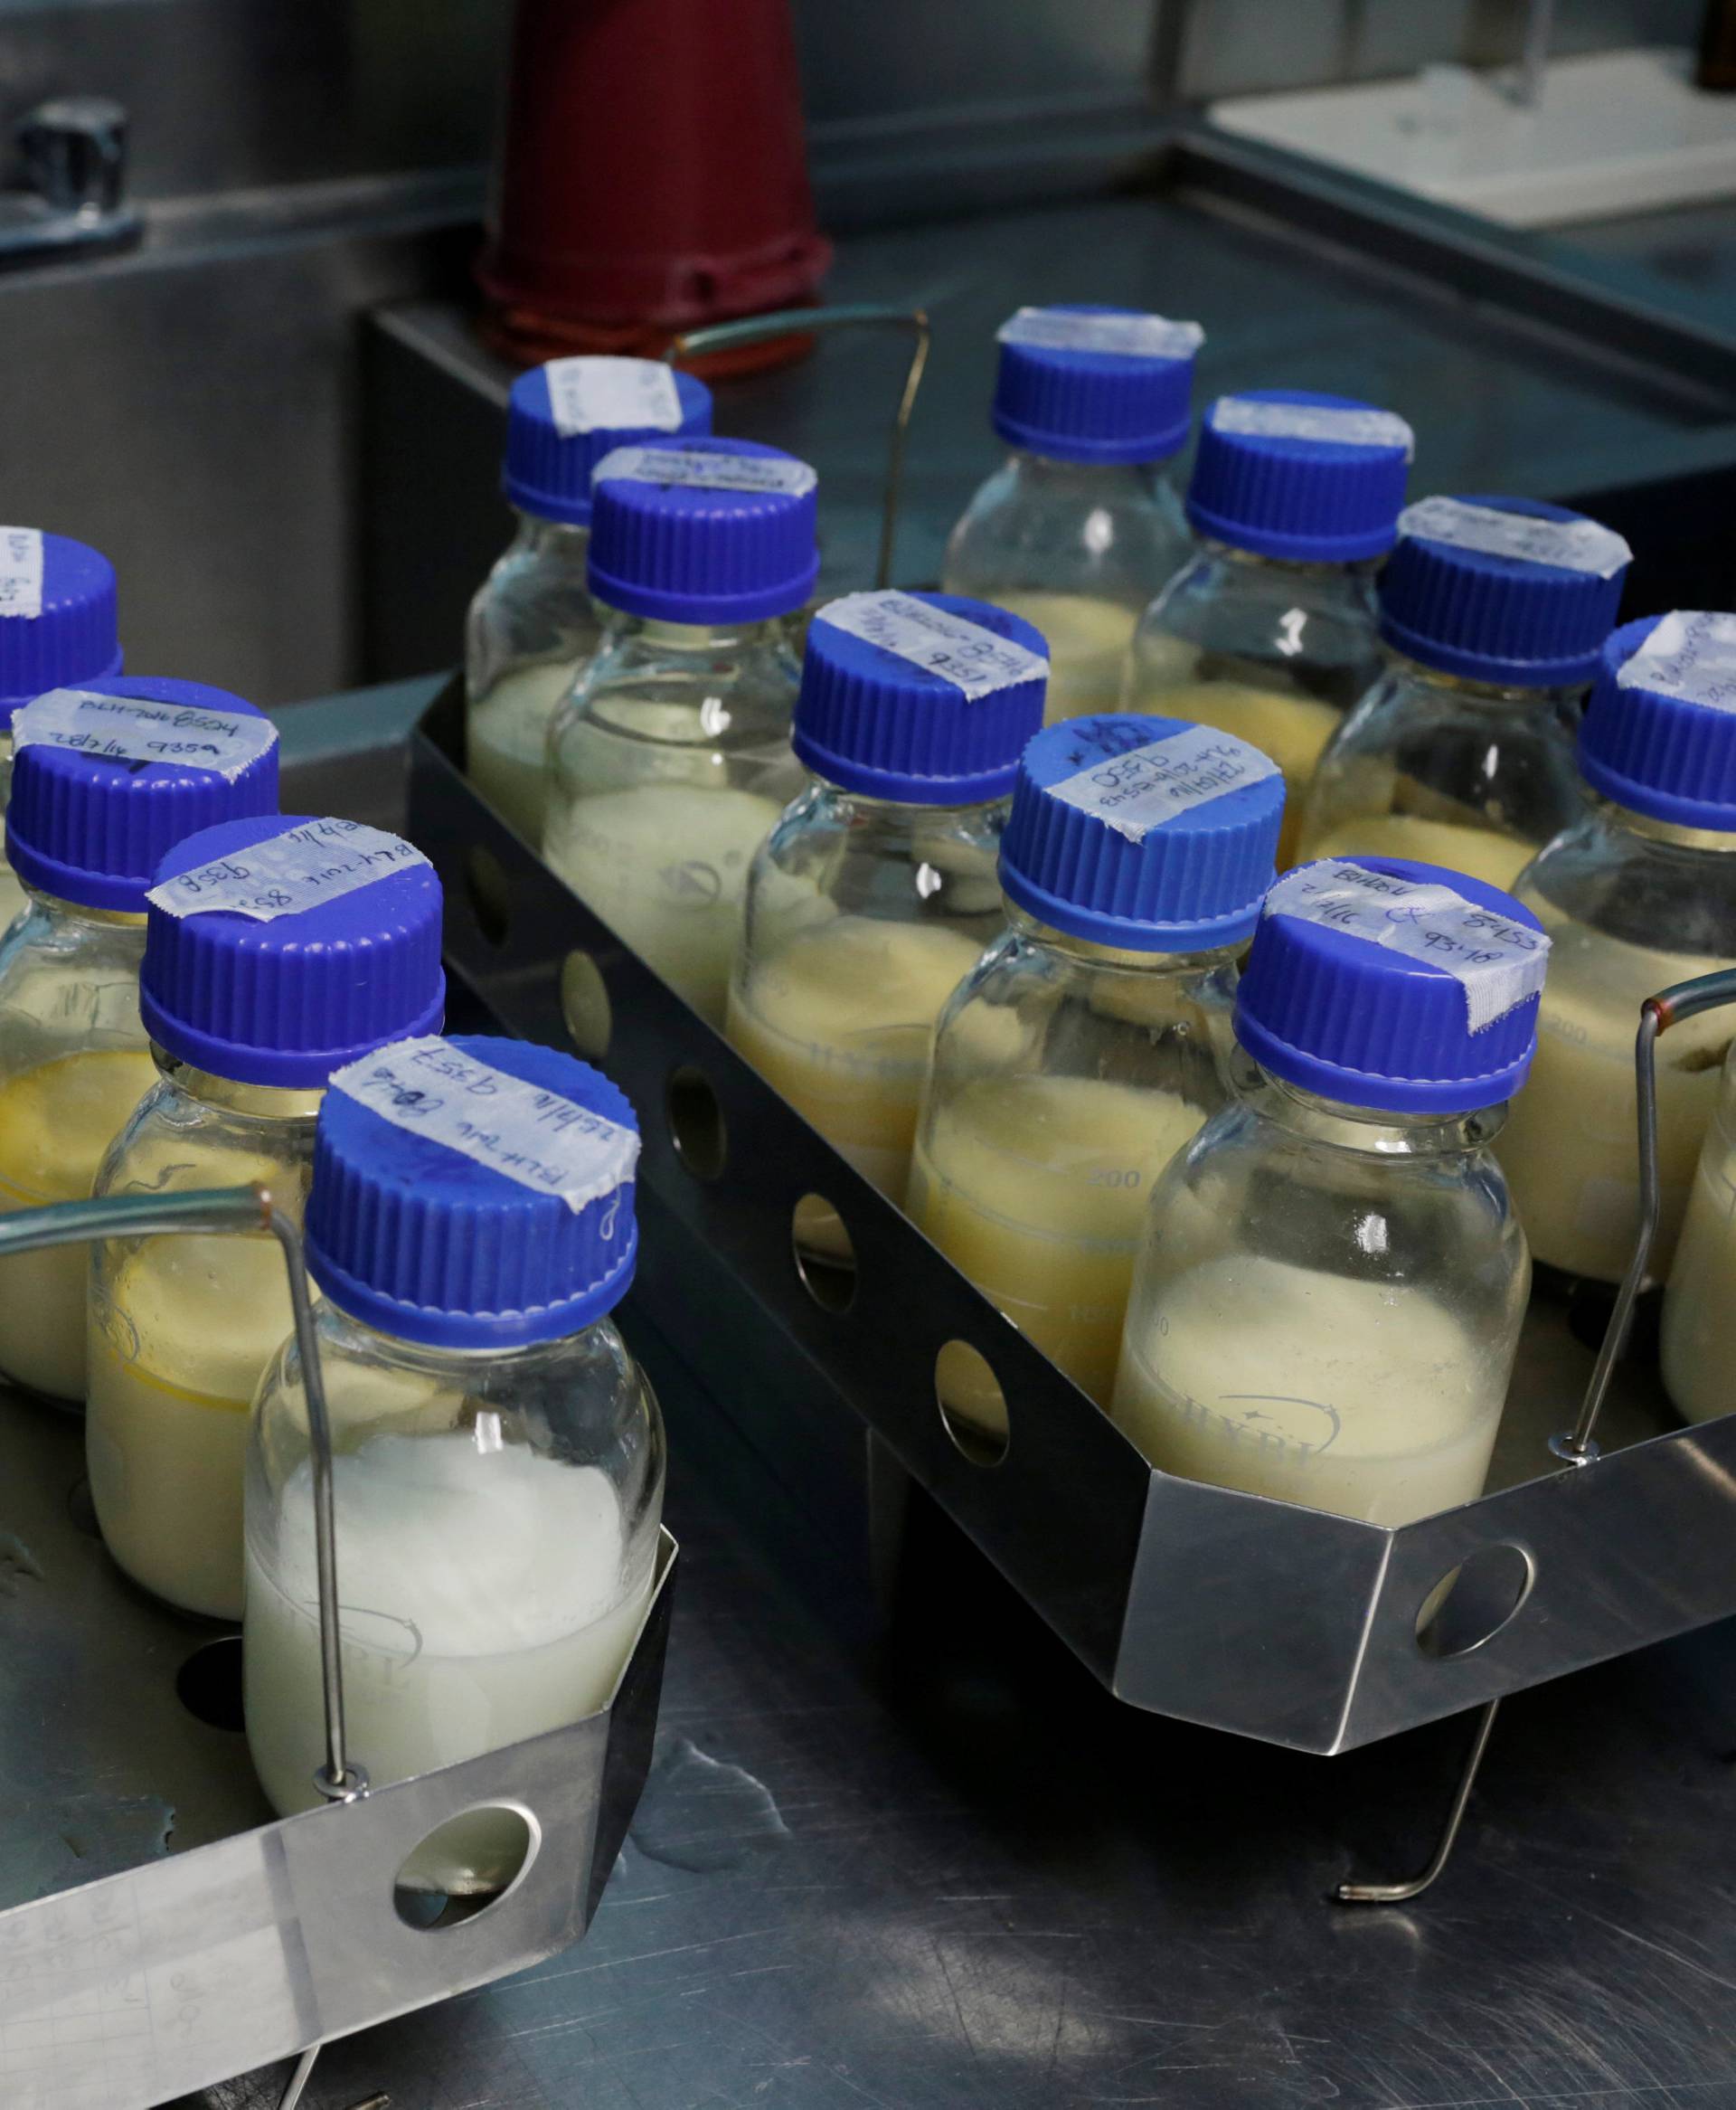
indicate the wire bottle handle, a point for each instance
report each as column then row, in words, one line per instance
column 1685, row 1000
column 808, row 321
column 219, row 1209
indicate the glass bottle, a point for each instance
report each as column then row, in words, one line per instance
column 1698, row 1342
column 1492, row 611
column 1639, row 893
column 85, row 831
column 1332, row 1279
column 57, row 631
column 247, row 1019
column 498, row 1454
column 531, row 627
column 1079, row 526
column 1087, row 1045
column 874, row 895
column 1268, row 631
column 671, row 760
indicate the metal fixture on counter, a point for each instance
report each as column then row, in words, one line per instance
column 72, row 153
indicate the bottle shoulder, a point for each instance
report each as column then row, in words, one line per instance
column 1110, row 531
column 1291, row 615
column 1601, row 888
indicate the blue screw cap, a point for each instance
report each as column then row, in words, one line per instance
column 70, row 642
column 1307, row 496
column 549, row 466
column 1058, row 396
column 1647, row 742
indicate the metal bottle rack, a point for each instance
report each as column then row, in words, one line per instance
column 177, row 1974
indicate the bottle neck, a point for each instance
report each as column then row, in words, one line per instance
column 76, row 915
column 700, row 640
column 1668, row 833
column 1503, row 697
column 562, row 542
column 1373, row 1131
column 253, row 1102
column 374, row 1343
column 901, row 818
column 1096, row 479
column 1253, row 562
column 1116, row 958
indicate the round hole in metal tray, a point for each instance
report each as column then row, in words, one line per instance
column 972, row 1405
column 490, row 897
column 585, row 1006
column 1472, row 1603
column 209, row 1683
column 696, row 1125
column 464, row 1865
column 825, row 1252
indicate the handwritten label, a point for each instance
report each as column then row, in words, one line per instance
column 1134, row 336
column 128, row 729
column 705, row 472
column 20, row 572
column 971, row 657
column 550, row 1144
column 1139, row 790
column 1690, row 655
column 600, row 394
column 1498, row 961
column 1344, row 427
column 303, row 868
column 1570, row 545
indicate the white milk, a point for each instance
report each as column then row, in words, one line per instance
column 1460, row 846
column 173, row 1362
column 506, row 736
column 838, row 1019
column 666, row 866
column 14, row 901
column 483, row 1603
column 1569, row 1148
column 1699, row 1338
column 1312, row 1388
column 1088, row 642
column 55, row 1124
column 1036, row 1187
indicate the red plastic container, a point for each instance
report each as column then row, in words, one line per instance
column 653, row 177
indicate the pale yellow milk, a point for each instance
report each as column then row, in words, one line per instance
column 1699, row 1336
column 1088, row 643
column 838, row 1019
column 55, row 1124
column 175, row 1358
column 14, row 901
column 484, row 1602
column 666, row 865
column 1310, row 1387
column 1569, row 1148
column 506, row 742
column 1461, row 846
column 1036, row 1187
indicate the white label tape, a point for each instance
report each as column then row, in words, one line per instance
column 705, row 472
column 600, row 394
column 1497, row 961
column 1570, row 545
column 1345, row 428
column 20, row 572
column 1138, row 337
column 1690, row 655
column 302, row 868
column 543, row 1141
column 1137, row 791
column 963, row 653
column 128, row 729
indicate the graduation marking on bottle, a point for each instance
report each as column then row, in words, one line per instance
column 1344, row 425
column 605, row 395
column 130, row 729
column 1690, row 655
column 1141, row 789
column 303, row 868
column 975, row 659
column 692, row 470
column 1134, row 336
column 1569, row 545
column 20, row 572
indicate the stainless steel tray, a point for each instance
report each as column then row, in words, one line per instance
column 1197, row 1602
column 131, row 1973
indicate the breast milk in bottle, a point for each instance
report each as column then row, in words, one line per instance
column 875, row 893
column 1081, row 526
column 531, row 627
column 498, row 1453
column 104, row 784
column 1268, row 631
column 1698, row 1343
column 1087, row 1046
column 1639, row 893
column 277, row 950
column 1492, row 611
column 1331, row 1280
column 672, row 759
column 57, row 631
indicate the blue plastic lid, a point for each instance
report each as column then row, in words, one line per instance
column 425, row 1243
column 70, row 641
column 287, row 1001
column 92, row 828
column 1646, row 742
column 674, row 538
column 940, row 722
column 1491, row 600
column 1150, row 854
column 1308, row 496
column 1359, row 1021
column 549, row 459
column 1058, row 393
